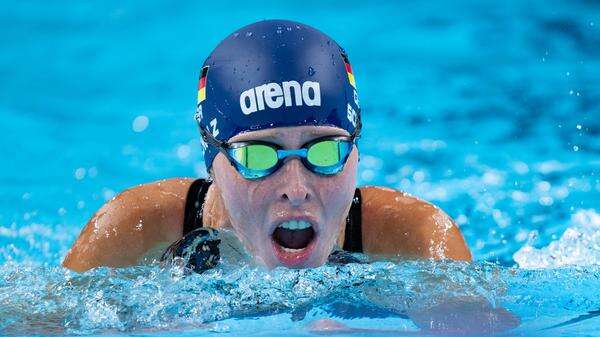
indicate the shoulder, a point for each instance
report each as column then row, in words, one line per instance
column 162, row 199
column 129, row 225
column 174, row 188
column 395, row 222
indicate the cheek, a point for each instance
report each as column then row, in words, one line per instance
column 337, row 192
column 240, row 196
column 233, row 188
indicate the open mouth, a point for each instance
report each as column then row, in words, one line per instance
column 294, row 235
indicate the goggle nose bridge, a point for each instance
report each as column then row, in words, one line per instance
column 282, row 154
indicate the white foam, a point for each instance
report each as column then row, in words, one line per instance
column 578, row 246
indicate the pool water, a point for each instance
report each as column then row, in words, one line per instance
column 487, row 109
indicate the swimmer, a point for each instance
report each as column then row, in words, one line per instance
column 280, row 123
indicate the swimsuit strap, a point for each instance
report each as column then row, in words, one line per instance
column 353, row 232
column 194, row 205
column 195, row 202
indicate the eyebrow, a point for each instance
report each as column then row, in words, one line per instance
column 277, row 135
column 271, row 138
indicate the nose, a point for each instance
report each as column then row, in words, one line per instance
column 295, row 189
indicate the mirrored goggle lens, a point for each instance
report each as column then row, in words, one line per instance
column 255, row 156
column 328, row 152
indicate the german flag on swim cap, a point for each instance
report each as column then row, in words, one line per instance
column 349, row 70
column 202, row 85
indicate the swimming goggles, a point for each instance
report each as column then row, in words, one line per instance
column 258, row 159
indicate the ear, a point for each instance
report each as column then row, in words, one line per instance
column 211, row 175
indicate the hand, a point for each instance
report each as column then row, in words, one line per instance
column 463, row 315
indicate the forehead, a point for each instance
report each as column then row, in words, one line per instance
column 300, row 133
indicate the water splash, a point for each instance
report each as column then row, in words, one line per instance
column 578, row 246
column 152, row 297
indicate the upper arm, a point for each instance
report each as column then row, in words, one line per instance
column 395, row 223
column 129, row 225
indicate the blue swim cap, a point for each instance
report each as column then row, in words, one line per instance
column 271, row 74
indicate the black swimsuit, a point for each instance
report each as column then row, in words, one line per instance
column 197, row 194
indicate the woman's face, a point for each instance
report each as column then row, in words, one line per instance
column 292, row 217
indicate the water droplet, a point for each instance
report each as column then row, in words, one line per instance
column 289, row 29
column 140, row 123
column 311, row 71
column 80, row 173
column 236, row 34
column 140, row 225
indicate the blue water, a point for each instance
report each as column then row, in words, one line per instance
column 487, row 109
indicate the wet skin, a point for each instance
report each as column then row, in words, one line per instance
column 148, row 217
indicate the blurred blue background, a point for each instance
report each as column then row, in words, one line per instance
column 487, row 109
